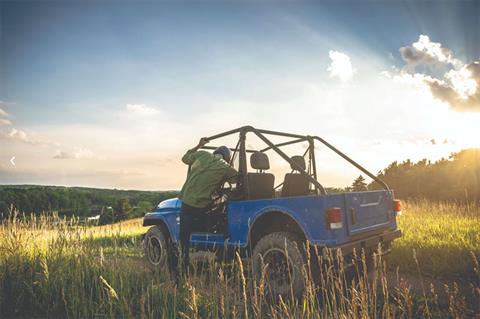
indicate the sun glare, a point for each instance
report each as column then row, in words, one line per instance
column 459, row 130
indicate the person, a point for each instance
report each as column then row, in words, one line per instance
column 207, row 172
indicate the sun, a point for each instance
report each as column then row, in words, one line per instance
column 463, row 127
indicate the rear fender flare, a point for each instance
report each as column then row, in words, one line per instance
column 278, row 210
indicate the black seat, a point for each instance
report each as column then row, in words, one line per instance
column 260, row 184
column 295, row 183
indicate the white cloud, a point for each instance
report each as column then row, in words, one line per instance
column 425, row 51
column 77, row 153
column 341, row 66
column 5, row 122
column 459, row 86
column 63, row 155
column 24, row 137
column 462, row 82
column 141, row 109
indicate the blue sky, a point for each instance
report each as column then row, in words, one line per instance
column 119, row 87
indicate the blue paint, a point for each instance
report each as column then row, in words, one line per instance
column 362, row 212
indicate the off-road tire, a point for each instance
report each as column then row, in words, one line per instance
column 276, row 243
column 157, row 248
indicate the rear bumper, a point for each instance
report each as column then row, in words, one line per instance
column 369, row 243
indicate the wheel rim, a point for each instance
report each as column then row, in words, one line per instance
column 154, row 250
column 279, row 271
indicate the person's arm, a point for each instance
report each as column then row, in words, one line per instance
column 190, row 155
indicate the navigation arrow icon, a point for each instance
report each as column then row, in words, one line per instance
column 12, row 160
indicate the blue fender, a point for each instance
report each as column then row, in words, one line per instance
column 168, row 215
column 281, row 210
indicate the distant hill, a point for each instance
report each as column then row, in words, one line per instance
column 79, row 201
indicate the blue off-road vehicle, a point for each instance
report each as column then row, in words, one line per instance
column 272, row 223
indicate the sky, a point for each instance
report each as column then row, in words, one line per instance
column 112, row 93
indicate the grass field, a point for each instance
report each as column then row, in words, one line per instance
column 55, row 268
column 443, row 236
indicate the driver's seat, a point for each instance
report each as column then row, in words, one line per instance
column 260, row 184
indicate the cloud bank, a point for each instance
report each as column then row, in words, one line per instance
column 77, row 153
column 23, row 137
column 459, row 85
column 427, row 52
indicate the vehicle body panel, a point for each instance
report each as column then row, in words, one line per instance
column 368, row 211
column 167, row 213
column 375, row 213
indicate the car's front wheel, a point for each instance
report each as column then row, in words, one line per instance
column 278, row 260
column 156, row 248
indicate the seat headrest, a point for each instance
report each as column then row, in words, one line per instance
column 259, row 160
column 300, row 161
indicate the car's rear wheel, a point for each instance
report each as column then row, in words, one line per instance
column 278, row 260
column 156, row 248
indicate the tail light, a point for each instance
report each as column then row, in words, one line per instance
column 397, row 206
column 334, row 218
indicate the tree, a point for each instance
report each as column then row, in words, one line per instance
column 122, row 208
column 359, row 184
column 4, row 209
column 142, row 208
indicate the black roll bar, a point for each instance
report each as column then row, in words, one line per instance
column 311, row 147
column 285, row 143
column 277, row 133
column 351, row 161
column 206, row 147
column 298, row 138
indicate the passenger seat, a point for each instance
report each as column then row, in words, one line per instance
column 295, row 183
column 260, row 183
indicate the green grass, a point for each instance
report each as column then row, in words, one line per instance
column 443, row 236
column 50, row 267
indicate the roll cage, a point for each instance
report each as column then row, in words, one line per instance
column 311, row 172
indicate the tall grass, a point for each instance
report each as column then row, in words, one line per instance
column 443, row 236
column 53, row 267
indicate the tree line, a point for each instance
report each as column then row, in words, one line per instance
column 456, row 178
column 79, row 201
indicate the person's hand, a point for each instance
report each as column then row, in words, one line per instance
column 203, row 141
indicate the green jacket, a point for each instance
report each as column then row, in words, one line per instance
column 207, row 171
